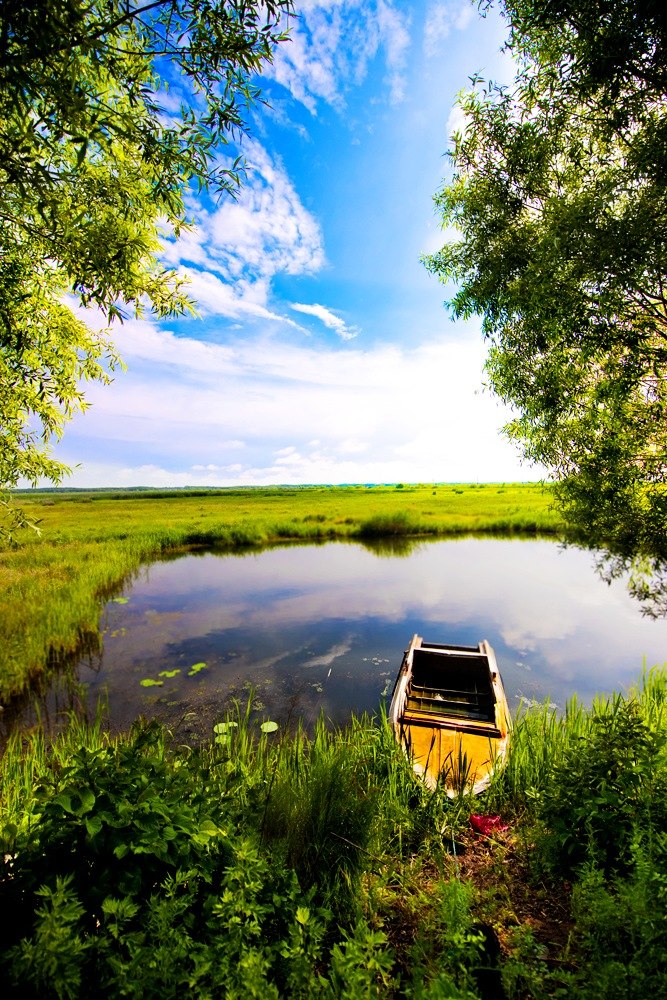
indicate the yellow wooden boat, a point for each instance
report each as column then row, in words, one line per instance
column 450, row 713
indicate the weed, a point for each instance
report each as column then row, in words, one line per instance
column 273, row 865
column 606, row 790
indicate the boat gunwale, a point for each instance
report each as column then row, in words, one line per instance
column 466, row 727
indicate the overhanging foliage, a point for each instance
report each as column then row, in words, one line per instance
column 559, row 196
column 96, row 154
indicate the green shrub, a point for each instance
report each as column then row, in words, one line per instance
column 619, row 935
column 361, row 965
column 608, row 788
column 131, row 879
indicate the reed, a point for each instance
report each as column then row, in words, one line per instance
column 544, row 739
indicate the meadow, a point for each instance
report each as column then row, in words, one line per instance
column 54, row 583
column 267, row 863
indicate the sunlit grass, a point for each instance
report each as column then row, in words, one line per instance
column 543, row 738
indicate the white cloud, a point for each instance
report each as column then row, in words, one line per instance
column 331, row 45
column 352, row 446
column 441, row 18
column 266, row 230
column 303, row 413
column 329, row 318
column 235, row 251
column 394, row 32
column 215, row 297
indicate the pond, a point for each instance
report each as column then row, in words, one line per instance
column 322, row 628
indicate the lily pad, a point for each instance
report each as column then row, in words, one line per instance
column 120, row 600
column 148, row 682
column 224, row 727
column 269, row 726
column 195, row 668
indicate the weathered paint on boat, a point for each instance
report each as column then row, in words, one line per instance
column 450, row 713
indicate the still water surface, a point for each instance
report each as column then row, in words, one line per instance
column 323, row 627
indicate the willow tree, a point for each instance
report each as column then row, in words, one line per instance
column 96, row 154
column 559, row 200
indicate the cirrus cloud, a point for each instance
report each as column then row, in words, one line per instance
column 329, row 318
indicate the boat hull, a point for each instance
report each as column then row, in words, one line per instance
column 450, row 714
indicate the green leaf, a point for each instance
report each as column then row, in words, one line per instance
column 86, row 801
column 269, row 727
column 92, row 175
column 120, row 600
column 557, row 197
column 169, row 673
column 93, row 825
column 9, row 832
column 224, row 727
column 207, row 830
column 148, row 682
column 195, row 669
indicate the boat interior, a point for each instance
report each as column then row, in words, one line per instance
column 454, row 684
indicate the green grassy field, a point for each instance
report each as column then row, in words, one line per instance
column 270, row 864
column 53, row 585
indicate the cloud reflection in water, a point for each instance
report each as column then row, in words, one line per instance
column 315, row 625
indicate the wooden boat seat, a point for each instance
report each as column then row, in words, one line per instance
column 452, row 694
column 479, row 727
column 450, row 709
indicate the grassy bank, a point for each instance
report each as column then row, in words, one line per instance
column 268, row 865
column 53, row 585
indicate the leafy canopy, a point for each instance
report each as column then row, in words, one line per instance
column 96, row 154
column 559, row 196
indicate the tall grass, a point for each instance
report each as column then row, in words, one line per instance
column 539, row 738
column 282, row 864
column 543, row 738
column 399, row 522
column 334, row 803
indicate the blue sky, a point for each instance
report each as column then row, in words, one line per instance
column 323, row 352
